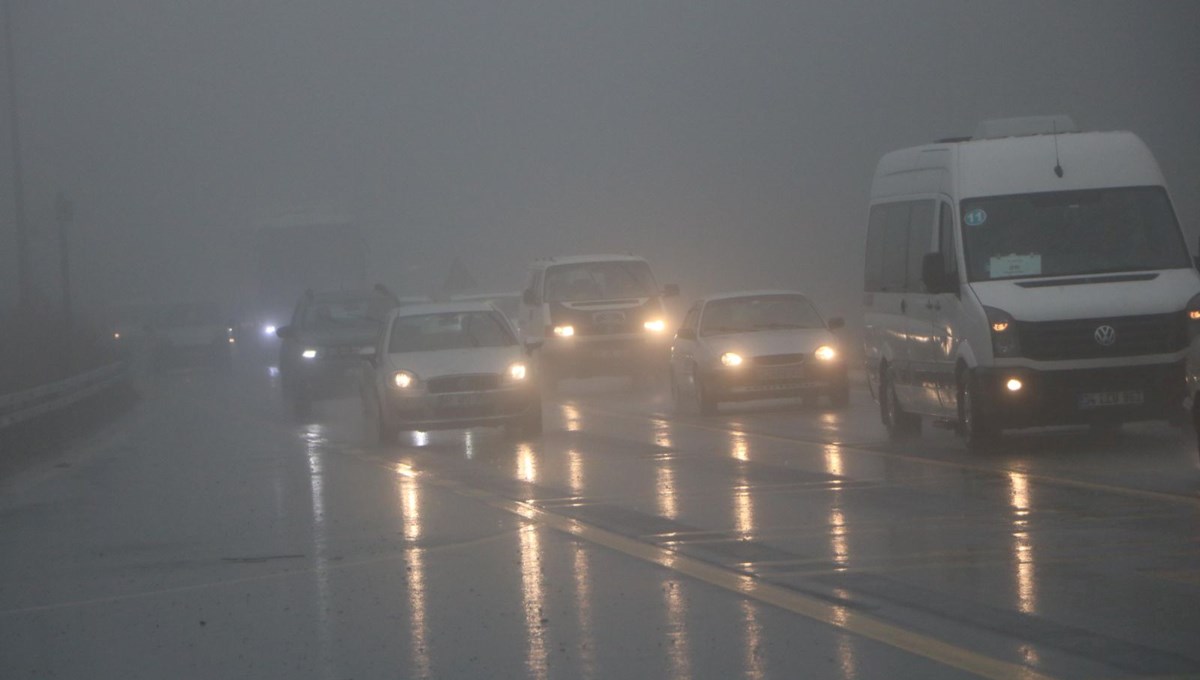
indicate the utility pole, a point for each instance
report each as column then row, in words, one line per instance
column 24, row 275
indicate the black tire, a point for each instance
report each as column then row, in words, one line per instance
column 839, row 394
column 973, row 425
column 705, row 403
column 900, row 423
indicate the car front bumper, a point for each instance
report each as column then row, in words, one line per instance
column 772, row 382
column 433, row 411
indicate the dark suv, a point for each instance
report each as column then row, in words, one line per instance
column 329, row 336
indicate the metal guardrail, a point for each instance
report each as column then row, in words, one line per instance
column 20, row 406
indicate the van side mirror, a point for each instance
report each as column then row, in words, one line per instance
column 836, row 322
column 933, row 274
column 685, row 334
column 528, row 297
column 671, row 290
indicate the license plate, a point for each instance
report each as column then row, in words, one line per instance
column 781, row 373
column 1091, row 400
column 464, row 399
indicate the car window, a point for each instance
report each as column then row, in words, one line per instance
column 449, row 330
column 758, row 313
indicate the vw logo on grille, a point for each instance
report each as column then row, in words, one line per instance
column 1105, row 335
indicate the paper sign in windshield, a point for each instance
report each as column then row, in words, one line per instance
column 1007, row 266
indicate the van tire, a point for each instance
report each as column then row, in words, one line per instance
column 973, row 425
column 900, row 424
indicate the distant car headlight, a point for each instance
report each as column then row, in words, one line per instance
column 731, row 359
column 404, row 380
column 231, row 341
column 116, row 336
column 518, row 371
column 564, row 331
column 269, row 329
column 309, row 353
column 655, row 326
column 825, row 353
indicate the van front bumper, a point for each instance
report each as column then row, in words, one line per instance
column 1081, row 396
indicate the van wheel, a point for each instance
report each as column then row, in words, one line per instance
column 973, row 425
column 900, row 423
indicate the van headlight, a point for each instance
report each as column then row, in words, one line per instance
column 517, row 371
column 1005, row 342
column 1191, row 315
column 731, row 359
column 404, row 380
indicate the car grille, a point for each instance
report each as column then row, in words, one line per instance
column 464, row 383
column 778, row 359
column 1076, row 339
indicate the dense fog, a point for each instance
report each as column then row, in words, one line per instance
column 730, row 143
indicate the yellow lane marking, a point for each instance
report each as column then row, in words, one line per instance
column 840, row 617
column 1193, row 501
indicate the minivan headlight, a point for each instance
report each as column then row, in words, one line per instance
column 1005, row 341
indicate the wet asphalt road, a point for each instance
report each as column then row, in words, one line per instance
column 204, row 533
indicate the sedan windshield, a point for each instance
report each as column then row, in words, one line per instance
column 759, row 313
column 1071, row 232
column 453, row 330
column 599, row 281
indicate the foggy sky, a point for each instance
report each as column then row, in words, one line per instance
column 732, row 143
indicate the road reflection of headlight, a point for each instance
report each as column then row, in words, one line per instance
column 825, row 353
column 655, row 326
column 731, row 359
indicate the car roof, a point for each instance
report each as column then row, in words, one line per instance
column 582, row 259
column 344, row 295
column 443, row 308
column 732, row 295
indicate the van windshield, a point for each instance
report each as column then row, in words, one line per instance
column 1066, row 233
column 599, row 281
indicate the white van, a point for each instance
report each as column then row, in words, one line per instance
column 1030, row 275
column 597, row 315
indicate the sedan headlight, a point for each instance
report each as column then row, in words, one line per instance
column 731, row 359
column 404, row 380
column 825, row 353
column 518, row 371
column 310, row 353
column 564, row 331
column 655, row 325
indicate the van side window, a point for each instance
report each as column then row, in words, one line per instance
column 895, row 247
column 946, row 241
column 874, row 264
column 920, row 242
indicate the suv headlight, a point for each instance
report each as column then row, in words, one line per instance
column 1005, row 341
column 404, row 380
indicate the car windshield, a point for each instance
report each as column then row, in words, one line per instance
column 331, row 314
column 599, row 281
column 1071, row 232
column 758, row 313
column 449, row 330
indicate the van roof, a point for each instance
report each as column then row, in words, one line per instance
column 579, row 259
column 1017, row 165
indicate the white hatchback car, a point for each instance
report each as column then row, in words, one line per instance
column 451, row 365
column 756, row 345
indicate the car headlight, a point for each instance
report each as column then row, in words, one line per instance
column 655, row 325
column 269, row 330
column 1005, row 342
column 825, row 353
column 1192, row 316
column 404, row 380
column 731, row 359
column 518, row 371
column 564, row 331
column 309, row 353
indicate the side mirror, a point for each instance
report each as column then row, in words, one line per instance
column 933, row 274
column 671, row 290
column 283, row 332
column 836, row 322
column 685, row 334
column 532, row 346
column 528, row 297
